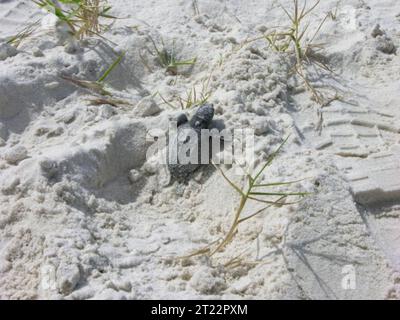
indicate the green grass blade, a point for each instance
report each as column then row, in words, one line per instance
column 111, row 68
column 273, row 184
column 271, row 158
column 302, row 194
column 233, row 185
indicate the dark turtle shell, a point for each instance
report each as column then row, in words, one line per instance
column 187, row 141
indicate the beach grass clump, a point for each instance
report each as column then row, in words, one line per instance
column 167, row 58
column 254, row 191
column 297, row 39
column 305, row 48
column 81, row 16
column 191, row 99
column 197, row 95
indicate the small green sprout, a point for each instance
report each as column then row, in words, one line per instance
column 168, row 59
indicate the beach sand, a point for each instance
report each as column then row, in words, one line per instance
column 84, row 214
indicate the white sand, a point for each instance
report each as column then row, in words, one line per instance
column 77, row 223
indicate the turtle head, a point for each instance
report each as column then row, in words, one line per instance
column 181, row 119
column 203, row 117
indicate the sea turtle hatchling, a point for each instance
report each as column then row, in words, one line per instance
column 182, row 142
